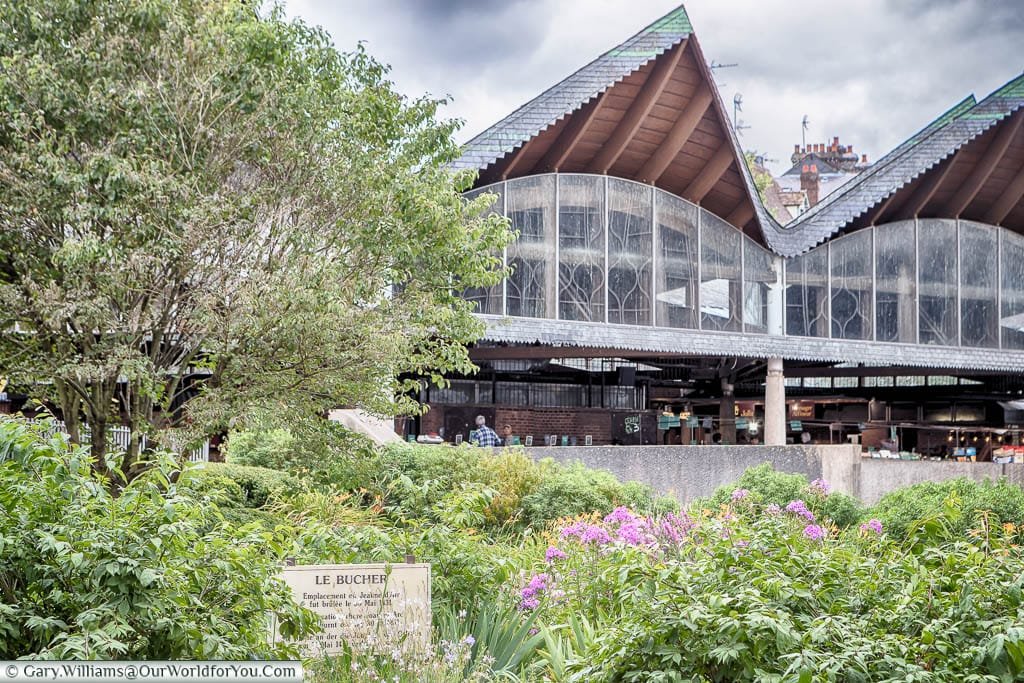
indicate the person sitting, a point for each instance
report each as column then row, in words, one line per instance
column 506, row 436
column 483, row 435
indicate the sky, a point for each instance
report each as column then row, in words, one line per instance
column 872, row 72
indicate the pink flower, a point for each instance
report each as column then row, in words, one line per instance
column 595, row 534
column 739, row 494
column 553, row 554
column 620, row 514
column 821, row 486
column 772, row 509
column 798, row 507
column 814, row 532
column 873, row 525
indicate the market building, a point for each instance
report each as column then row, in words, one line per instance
column 653, row 299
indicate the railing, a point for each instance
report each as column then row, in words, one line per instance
column 120, row 437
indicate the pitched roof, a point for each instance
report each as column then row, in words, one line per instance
column 820, row 162
column 913, row 158
column 573, row 92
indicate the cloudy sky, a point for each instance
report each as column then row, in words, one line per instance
column 870, row 71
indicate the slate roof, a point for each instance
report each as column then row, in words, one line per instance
column 575, row 91
column 913, row 158
column 823, row 166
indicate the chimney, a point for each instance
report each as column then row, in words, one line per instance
column 809, row 183
column 796, row 149
column 864, row 158
column 835, row 144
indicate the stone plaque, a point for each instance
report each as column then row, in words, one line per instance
column 386, row 606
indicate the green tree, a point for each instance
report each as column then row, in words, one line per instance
column 195, row 188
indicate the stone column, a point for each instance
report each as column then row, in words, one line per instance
column 727, row 413
column 775, row 404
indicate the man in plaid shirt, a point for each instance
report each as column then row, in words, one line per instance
column 484, row 435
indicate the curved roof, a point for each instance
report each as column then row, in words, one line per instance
column 648, row 110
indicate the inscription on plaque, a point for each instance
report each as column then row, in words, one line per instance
column 363, row 605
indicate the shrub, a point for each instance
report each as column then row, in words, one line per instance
column 765, row 596
column 899, row 509
column 257, row 485
column 145, row 574
column 767, row 485
column 513, row 475
column 317, row 450
column 576, row 490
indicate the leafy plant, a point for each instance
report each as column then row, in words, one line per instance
column 148, row 574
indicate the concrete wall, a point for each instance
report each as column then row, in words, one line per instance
column 689, row 472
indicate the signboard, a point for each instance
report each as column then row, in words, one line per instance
column 361, row 603
column 745, row 408
column 692, row 422
column 796, row 426
column 801, row 410
column 742, row 423
column 668, row 421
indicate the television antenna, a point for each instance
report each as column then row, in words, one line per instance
column 714, row 66
column 737, row 107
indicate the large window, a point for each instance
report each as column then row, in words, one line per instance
column 896, row 283
column 599, row 249
column 1011, row 321
column 488, row 299
column 758, row 280
column 851, row 267
column 581, row 255
column 630, row 248
column 720, row 274
column 807, row 294
column 531, row 209
column 937, row 274
column 979, row 263
column 677, row 262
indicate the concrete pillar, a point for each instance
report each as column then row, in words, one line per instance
column 727, row 413
column 775, row 404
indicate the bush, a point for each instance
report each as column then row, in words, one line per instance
column 764, row 596
column 576, row 490
column 317, row 450
column 769, row 486
column 899, row 509
column 145, row 574
column 253, row 487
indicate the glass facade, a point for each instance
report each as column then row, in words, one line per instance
column 599, row 249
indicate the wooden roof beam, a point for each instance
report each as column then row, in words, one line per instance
column 566, row 142
column 873, row 215
column 677, row 137
column 923, row 194
column 741, row 215
column 710, row 174
column 639, row 109
column 969, row 190
column 998, row 212
column 514, row 160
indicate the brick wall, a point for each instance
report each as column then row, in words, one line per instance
column 537, row 422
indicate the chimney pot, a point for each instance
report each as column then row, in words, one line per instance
column 806, row 168
column 835, row 141
column 796, row 149
column 863, row 158
column 814, row 168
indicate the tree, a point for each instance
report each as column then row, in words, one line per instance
column 189, row 188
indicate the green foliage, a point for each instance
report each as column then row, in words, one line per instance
column 748, row 595
column 900, row 509
column 503, row 639
column 212, row 184
column 767, row 485
column 316, row 450
column 149, row 574
column 576, row 490
column 251, row 487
